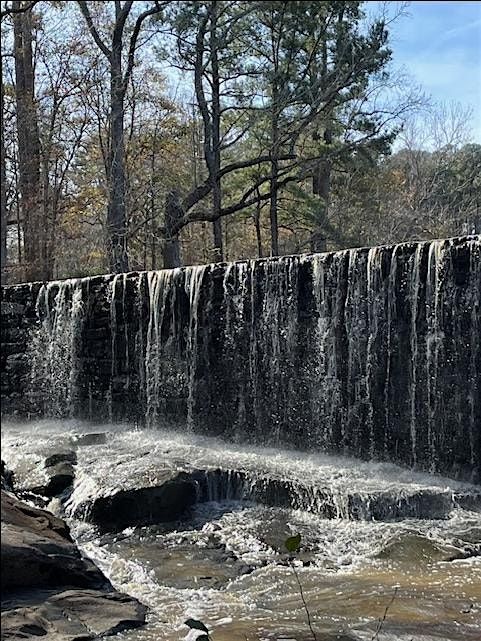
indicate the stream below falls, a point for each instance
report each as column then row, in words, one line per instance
column 224, row 562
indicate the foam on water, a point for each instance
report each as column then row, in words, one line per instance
column 348, row 569
column 130, row 454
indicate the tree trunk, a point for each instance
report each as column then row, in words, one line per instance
column 321, row 186
column 48, row 218
column 257, row 223
column 218, row 253
column 274, row 174
column 117, row 213
column 3, row 195
column 173, row 212
column 34, row 229
column 216, row 116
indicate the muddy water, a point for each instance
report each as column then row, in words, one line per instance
column 349, row 574
column 225, row 563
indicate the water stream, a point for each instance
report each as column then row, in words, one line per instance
column 224, row 561
column 289, row 391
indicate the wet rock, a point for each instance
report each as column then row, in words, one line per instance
column 60, row 477
column 412, row 547
column 36, row 499
column 164, row 494
column 60, row 474
column 7, row 478
column 37, row 550
column 61, row 457
column 142, row 506
column 72, row 615
column 81, row 440
column 48, row 588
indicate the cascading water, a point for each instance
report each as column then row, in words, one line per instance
column 55, row 347
column 374, row 353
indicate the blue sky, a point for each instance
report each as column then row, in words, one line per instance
column 439, row 45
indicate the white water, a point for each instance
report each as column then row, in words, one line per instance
column 354, row 566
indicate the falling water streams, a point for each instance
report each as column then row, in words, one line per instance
column 296, row 386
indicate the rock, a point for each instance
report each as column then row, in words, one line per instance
column 61, row 457
column 72, row 615
column 48, row 588
column 61, row 478
column 142, row 506
column 98, row 438
column 60, row 474
column 164, row 494
column 420, row 549
column 7, row 478
column 37, row 550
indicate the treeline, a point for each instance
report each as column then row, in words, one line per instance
column 141, row 135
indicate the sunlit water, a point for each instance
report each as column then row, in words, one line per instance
column 225, row 562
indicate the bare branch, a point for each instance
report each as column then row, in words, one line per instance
column 157, row 8
column 22, row 9
column 93, row 31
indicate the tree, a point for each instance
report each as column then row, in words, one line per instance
column 34, row 233
column 206, row 36
column 119, row 80
column 3, row 189
column 207, row 45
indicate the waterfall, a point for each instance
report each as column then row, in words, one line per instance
column 473, row 304
column 368, row 352
column 415, row 283
column 54, row 350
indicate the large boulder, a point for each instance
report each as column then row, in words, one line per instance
column 37, row 550
column 48, row 588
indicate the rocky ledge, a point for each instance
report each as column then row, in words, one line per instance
column 48, row 588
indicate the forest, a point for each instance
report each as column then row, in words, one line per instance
column 149, row 135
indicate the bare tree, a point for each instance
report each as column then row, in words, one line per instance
column 3, row 190
column 119, row 80
column 34, row 233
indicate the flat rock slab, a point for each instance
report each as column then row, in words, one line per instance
column 71, row 615
column 166, row 495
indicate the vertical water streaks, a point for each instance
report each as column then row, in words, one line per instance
column 55, row 348
column 253, row 371
column 114, row 355
column 193, row 284
column 235, row 299
column 474, row 396
column 389, row 386
column 371, row 352
column 326, row 384
column 356, row 322
column 159, row 286
column 434, row 345
column 414, row 294
column 376, row 319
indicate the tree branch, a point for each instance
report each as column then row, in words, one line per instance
column 93, row 31
column 23, row 9
column 157, row 8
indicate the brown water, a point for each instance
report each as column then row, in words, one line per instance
column 349, row 573
column 225, row 563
